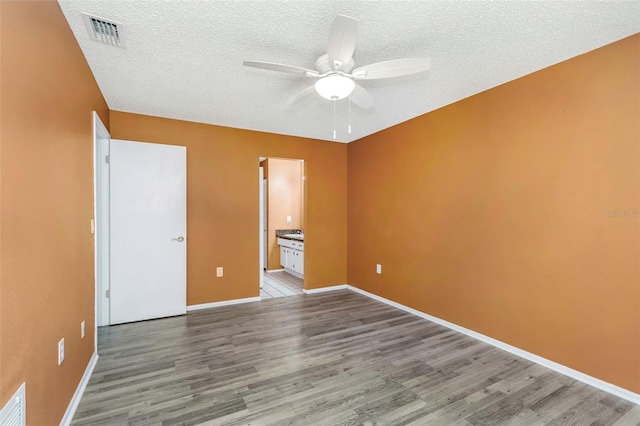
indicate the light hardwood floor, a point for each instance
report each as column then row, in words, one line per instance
column 334, row 358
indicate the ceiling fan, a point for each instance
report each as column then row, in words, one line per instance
column 336, row 73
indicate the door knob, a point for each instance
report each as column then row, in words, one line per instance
column 179, row 239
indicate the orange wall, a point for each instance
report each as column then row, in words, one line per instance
column 284, row 187
column 222, row 202
column 46, row 183
column 490, row 213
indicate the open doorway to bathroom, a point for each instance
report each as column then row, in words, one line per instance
column 282, row 217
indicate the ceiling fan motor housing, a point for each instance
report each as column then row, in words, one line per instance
column 324, row 65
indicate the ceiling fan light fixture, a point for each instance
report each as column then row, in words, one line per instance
column 335, row 87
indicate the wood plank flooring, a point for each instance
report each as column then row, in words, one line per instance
column 335, row 358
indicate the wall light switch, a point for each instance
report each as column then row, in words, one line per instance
column 82, row 330
column 378, row 269
column 219, row 271
column 93, row 226
column 288, row 219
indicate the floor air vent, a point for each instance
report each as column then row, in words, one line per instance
column 14, row 413
column 104, row 31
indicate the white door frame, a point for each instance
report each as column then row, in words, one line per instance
column 101, row 139
column 265, row 224
column 261, row 222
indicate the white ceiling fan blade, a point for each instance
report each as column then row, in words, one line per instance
column 361, row 97
column 302, row 96
column 393, row 68
column 281, row 67
column 342, row 40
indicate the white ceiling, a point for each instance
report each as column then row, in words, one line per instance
column 183, row 59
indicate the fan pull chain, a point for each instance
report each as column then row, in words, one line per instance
column 349, row 114
column 334, row 118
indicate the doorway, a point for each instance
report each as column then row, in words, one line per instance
column 282, row 219
column 140, row 229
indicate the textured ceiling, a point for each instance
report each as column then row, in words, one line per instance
column 183, row 59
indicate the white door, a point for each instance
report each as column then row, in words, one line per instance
column 148, row 231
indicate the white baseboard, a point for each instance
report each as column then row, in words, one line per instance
column 73, row 405
column 223, row 303
column 562, row 369
column 268, row 271
column 325, row 289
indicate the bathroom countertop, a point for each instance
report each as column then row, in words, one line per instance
column 291, row 238
column 287, row 234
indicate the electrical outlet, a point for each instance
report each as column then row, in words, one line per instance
column 288, row 219
column 82, row 330
column 378, row 269
column 61, row 351
column 219, row 271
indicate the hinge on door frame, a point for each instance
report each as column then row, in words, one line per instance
column 107, row 159
column 108, row 294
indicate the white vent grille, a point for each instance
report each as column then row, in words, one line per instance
column 14, row 412
column 104, row 31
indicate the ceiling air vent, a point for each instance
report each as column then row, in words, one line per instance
column 104, row 31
